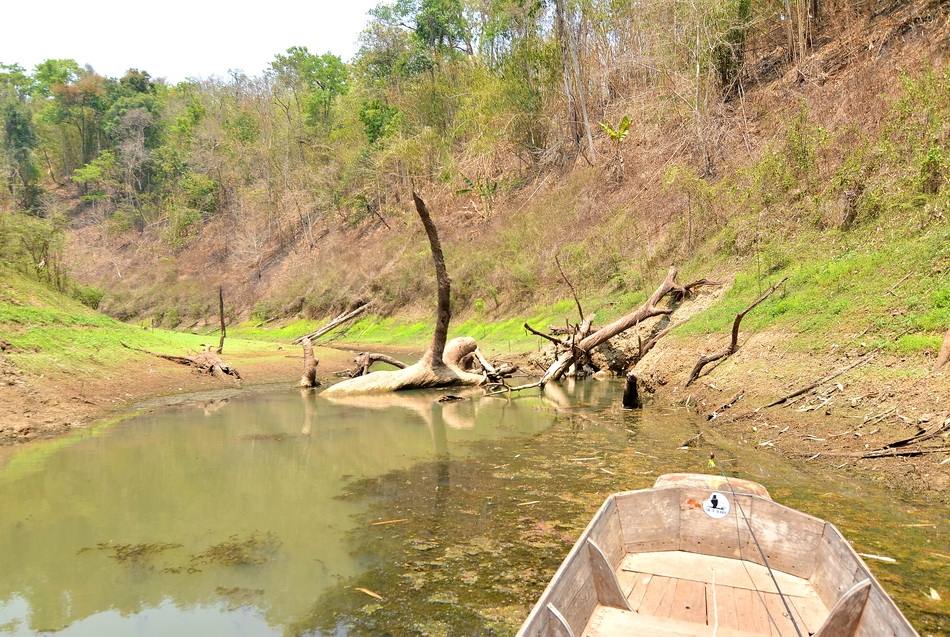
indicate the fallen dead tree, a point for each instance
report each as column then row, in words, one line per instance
column 730, row 349
column 440, row 366
column 345, row 317
column 579, row 351
column 208, row 361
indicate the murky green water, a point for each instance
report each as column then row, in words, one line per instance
column 255, row 515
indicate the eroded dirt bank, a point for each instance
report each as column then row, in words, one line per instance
column 886, row 399
column 881, row 401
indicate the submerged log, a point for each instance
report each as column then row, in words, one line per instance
column 440, row 366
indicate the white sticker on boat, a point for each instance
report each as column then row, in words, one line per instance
column 716, row 506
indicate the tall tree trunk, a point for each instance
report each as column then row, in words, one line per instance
column 443, row 313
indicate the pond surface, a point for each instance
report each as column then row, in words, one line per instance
column 283, row 513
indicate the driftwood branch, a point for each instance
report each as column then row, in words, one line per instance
column 734, row 341
column 207, row 361
column 336, row 322
column 820, row 381
column 649, row 309
column 542, row 335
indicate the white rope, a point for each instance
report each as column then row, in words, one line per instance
column 765, row 561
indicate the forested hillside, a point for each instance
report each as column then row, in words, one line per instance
column 728, row 135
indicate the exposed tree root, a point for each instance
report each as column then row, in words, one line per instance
column 208, row 362
column 734, row 342
column 365, row 360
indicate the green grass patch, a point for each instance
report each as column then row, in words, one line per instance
column 895, row 293
column 52, row 332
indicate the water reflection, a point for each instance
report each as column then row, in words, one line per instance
column 254, row 515
column 218, row 474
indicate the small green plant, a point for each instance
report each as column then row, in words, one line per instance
column 617, row 136
column 485, row 188
column 932, row 171
column 183, row 224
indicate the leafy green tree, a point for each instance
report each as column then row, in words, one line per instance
column 314, row 80
column 53, row 72
column 19, row 140
column 15, row 82
column 378, row 118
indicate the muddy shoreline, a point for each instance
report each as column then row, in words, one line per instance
column 828, row 428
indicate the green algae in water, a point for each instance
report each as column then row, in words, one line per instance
column 468, row 560
column 131, row 553
column 237, row 551
column 471, row 561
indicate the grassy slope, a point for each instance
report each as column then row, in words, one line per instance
column 882, row 281
column 839, row 287
column 50, row 332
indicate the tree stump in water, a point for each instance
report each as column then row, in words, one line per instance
column 631, row 393
column 310, row 362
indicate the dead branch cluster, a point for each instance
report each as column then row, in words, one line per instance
column 575, row 344
column 207, row 361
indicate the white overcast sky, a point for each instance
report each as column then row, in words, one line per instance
column 176, row 39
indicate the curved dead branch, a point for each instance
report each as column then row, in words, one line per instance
column 734, row 342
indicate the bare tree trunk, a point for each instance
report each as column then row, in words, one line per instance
column 440, row 366
column 224, row 330
column 443, row 312
column 574, row 70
